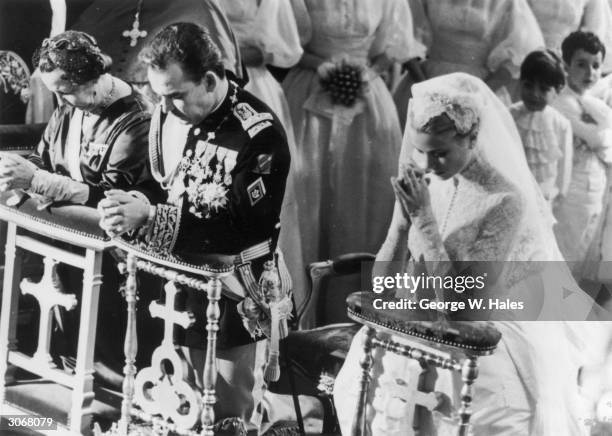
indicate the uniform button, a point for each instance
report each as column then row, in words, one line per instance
column 196, row 131
column 125, row 50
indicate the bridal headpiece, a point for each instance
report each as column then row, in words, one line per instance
column 450, row 96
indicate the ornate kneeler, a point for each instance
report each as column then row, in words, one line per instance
column 78, row 227
column 154, row 390
column 461, row 341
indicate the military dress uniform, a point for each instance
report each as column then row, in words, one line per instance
column 221, row 201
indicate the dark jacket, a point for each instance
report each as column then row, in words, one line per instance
column 240, row 150
column 114, row 156
column 248, row 156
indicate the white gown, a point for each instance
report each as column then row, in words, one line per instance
column 482, row 224
column 580, row 213
column 490, row 211
column 473, row 36
column 270, row 26
column 558, row 18
column 548, row 142
column 348, row 153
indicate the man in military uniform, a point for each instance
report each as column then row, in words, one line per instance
column 222, row 158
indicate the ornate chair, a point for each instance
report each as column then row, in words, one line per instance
column 310, row 358
column 451, row 345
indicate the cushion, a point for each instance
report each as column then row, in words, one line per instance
column 20, row 138
column 479, row 337
column 200, row 265
column 320, row 348
column 78, row 219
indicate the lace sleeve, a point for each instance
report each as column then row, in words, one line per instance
column 490, row 239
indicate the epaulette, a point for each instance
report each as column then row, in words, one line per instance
column 252, row 121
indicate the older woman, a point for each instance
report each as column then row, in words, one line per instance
column 481, row 204
column 96, row 140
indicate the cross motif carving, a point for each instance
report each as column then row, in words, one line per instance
column 169, row 315
column 49, row 295
column 135, row 33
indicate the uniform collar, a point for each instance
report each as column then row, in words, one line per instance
column 223, row 109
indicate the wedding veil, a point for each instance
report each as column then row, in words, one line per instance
column 469, row 103
column 468, row 100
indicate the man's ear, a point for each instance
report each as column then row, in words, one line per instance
column 210, row 80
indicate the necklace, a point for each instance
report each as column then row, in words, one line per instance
column 135, row 32
column 450, row 207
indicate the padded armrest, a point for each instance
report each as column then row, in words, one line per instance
column 345, row 264
column 21, row 138
column 350, row 263
column 72, row 223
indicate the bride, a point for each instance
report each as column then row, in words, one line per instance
column 480, row 204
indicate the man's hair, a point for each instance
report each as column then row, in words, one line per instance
column 545, row 67
column 586, row 41
column 187, row 44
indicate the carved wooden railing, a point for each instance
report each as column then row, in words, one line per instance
column 156, row 393
column 39, row 231
column 78, row 227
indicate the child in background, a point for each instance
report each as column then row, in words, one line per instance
column 546, row 134
column 579, row 214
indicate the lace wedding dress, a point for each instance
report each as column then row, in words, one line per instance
column 528, row 386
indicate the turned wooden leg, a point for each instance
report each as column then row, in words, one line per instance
column 210, row 365
column 422, row 423
column 469, row 373
column 10, row 309
column 359, row 421
column 131, row 345
column 82, row 394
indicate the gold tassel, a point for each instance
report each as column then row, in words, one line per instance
column 269, row 285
